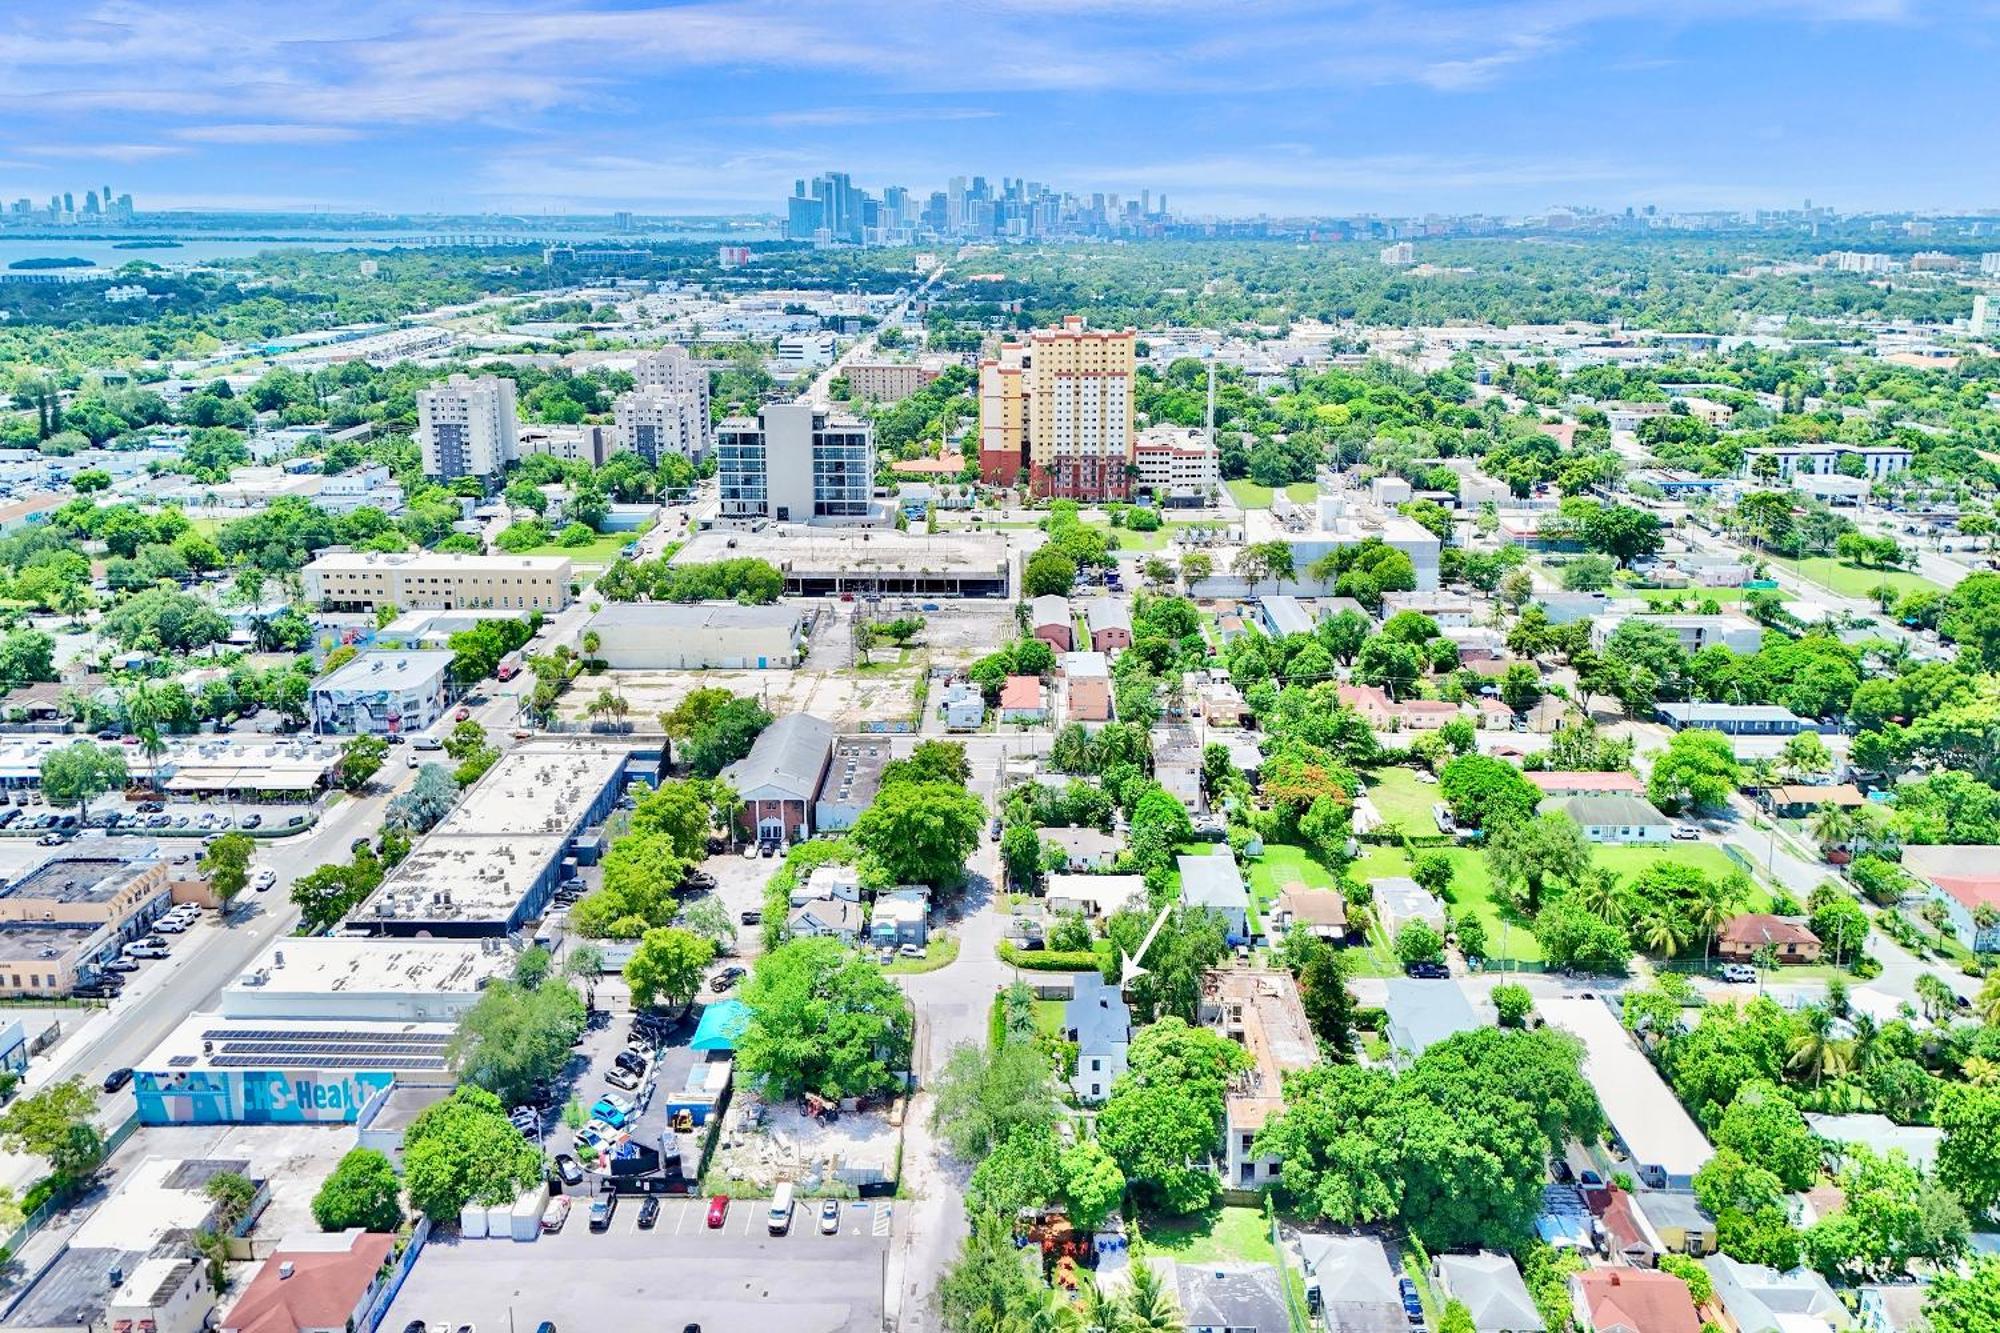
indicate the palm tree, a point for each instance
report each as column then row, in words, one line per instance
column 1981, row 1072
column 1096, row 1312
column 142, row 714
column 1709, row 913
column 1987, row 1004
column 1867, row 1041
column 1049, row 1312
column 1833, row 828
column 1598, row 894
column 1661, row 933
column 1934, row 996
column 1818, row 1047
column 1150, row 1305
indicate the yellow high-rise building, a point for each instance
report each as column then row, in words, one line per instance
column 1060, row 406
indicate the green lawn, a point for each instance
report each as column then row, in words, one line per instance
column 1281, row 865
column 1852, row 580
column 603, row 551
column 1252, row 496
column 1403, row 801
column 1223, row 1234
column 942, row 951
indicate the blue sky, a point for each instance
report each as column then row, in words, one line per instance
column 1229, row 106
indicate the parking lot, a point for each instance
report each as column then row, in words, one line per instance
column 27, row 814
column 733, row 1279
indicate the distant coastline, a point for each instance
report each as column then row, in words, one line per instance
column 51, row 261
column 146, row 245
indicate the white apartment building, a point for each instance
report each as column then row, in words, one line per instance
column 666, row 413
column 889, row 381
column 468, row 427
column 1879, row 460
column 1989, row 264
column 1856, row 261
column 572, row 444
column 345, row 580
column 1736, row 633
column 1177, row 465
column 803, row 351
column 369, row 486
column 1400, row 255
column 796, row 463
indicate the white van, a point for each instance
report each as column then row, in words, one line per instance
column 780, row 1219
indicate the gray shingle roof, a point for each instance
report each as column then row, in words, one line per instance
column 789, row 756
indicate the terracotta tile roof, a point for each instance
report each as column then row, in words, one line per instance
column 322, row 1291
column 1089, row 700
column 1021, row 692
column 1564, row 781
column 1760, row 928
column 1637, row 1300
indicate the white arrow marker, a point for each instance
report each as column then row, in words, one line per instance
column 1132, row 969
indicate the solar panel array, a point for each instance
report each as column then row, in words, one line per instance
column 258, row 1048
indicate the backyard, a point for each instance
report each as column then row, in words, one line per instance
column 1403, row 801
column 1223, row 1235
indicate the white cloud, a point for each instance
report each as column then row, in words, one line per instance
column 254, row 134
column 103, row 152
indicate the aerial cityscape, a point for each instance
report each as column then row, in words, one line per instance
column 1113, row 668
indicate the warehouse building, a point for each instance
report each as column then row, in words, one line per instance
column 63, row 914
column 214, row 1070
column 496, row 859
column 662, row 636
column 344, row 580
column 825, row 562
column 328, row 977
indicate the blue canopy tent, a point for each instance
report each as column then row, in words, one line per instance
column 721, row 1024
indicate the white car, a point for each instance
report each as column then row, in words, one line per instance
column 145, row 949
column 170, row 925
column 263, row 879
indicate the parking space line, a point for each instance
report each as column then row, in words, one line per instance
column 749, row 1217
column 680, row 1218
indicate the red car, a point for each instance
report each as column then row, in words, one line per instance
column 463, row 714
column 718, row 1210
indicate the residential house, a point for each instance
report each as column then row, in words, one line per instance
column 1633, row 1300
column 1446, row 610
column 1177, row 764
column 1489, row 1286
column 1321, row 912
column 1566, row 608
column 1221, row 703
column 1089, row 700
column 1083, row 848
column 1879, row 1135
column 163, row 1293
column 1373, row 703
column 1227, row 1296
column 1400, row 900
column 1099, row 1021
column 1614, row 820
column 780, row 777
column 1550, row 715
column 841, row 882
column 1423, row 1013
column 1282, row 615
column 1678, row 1221
column 1624, row 1228
column 963, row 706
column 1892, row 1308
column 1645, row 1116
column 1759, row 1299
column 1109, row 620
column 901, row 916
column 1965, row 881
column 1052, row 622
column 1737, row 633
column 313, row 1283
column 1213, row 883
column 1021, row 700
column 1084, row 665
column 1096, row 896
column 1259, row 1009
column 1744, row 936
column 1494, row 715
column 1801, row 801
column 1351, row 1283
column 831, row 917
column 1554, row 783
column 1427, row 714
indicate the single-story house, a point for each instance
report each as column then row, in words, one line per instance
column 1798, row 801
column 1893, row 1308
column 1759, row 1299
column 1321, row 912
column 1742, row 937
column 830, row 881
column 1423, row 1013
column 1093, row 895
column 1109, row 621
column 1678, row 1221
column 1084, row 848
column 1489, row 1286
column 901, row 916
column 313, row 1282
column 1733, row 719
column 1613, row 819
column 833, row 917
column 1494, row 715
column 964, row 707
column 1099, row 1021
column 1089, row 700
column 1351, row 1283
column 1052, row 622
column 1215, row 884
column 1373, row 703
column 1400, row 900
column 1227, row 1297
column 1633, row 1300
column 1282, row 615
column 1880, row 1135
column 1428, row 714
column 1966, row 882
column 1021, row 700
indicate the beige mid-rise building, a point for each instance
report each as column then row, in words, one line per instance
column 434, row 580
column 1060, row 406
column 888, row 381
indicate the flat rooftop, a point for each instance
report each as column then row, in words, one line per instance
column 336, row 965
column 49, row 941
column 215, row 1041
column 438, row 562
column 1640, row 1106
column 855, row 774
column 388, row 669
column 698, row 615
column 161, row 1196
column 84, row 879
column 850, row 551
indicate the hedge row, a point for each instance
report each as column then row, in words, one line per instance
column 1041, row 960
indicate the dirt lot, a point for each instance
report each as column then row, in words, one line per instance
column 846, row 698
column 793, row 1146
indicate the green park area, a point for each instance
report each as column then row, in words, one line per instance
column 1851, row 580
column 1252, row 496
column 600, row 551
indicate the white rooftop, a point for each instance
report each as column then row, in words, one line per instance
column 359, row 967
column 388, row 669
column 1640, row 1106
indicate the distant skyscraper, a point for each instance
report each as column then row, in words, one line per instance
column 1979, row 323
column 468, row 427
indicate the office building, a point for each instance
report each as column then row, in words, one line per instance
column 468, row 427
column 666, row 412
column 343, row 580
column 1981, row 322
column 796, row 462
column 386, row 693
column 1400, row 255
column 1058, row 408
column 1176, row 466
column 663, row 636
column 62, row 915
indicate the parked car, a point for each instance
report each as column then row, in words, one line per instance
column 570, row 1171
column 172, row 925
column 911, row 951
column 117, row 1079
column 1429, row 971
column 1741, row 973
column 623, row 1078
column 829, row 1218
column 726, row 978
column 556, row 1213
column 1686, row 833
column 751, row 916
column 749, row 851
column 253, row 820
column 602, row 1209
column 718, row 1210
column 767, row 849
column 649, row 1212
column 145, row 949
column 118, row 965
column 50, row 840
column 634, row 1060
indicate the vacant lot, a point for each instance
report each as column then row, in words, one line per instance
column 847, row 698
column 1252, row 496
column 1403, row 800
column 1852, row 580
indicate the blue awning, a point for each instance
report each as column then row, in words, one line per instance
column 721, row 1024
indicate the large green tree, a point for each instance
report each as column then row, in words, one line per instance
column 823, row 1019
column 921, row 832
column 464, row 1150
column 1165, row 1113
column 515, row 1038
column 668, row 964
column 362, row 1191
column 79, row 773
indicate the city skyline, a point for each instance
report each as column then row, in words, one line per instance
column 1507, row 106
